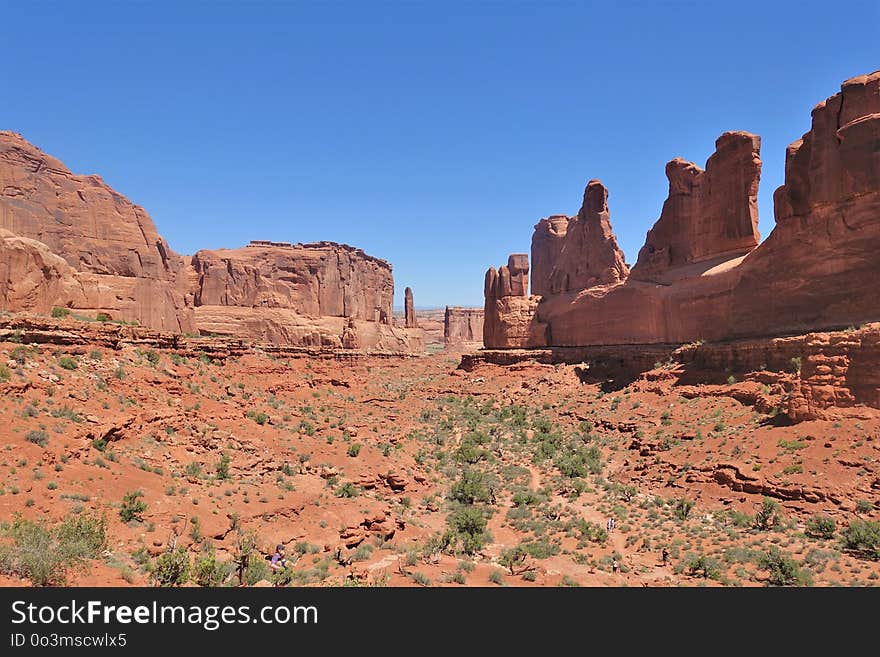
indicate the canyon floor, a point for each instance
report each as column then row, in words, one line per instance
column 411, row 471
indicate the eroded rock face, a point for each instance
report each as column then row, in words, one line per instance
column 697, row 279
column 547, row 241
column 312, row 279
column 589, row 254
column 509, row 313
column 462, row 325
column 72, row 241
column 709, row 214
column 97, row 232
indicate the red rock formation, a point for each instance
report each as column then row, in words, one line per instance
column 509, row 313
column 462, row 325
column 547, row 241
column 134, row 275
column 72, row 241
column 709, row 214
column 589, row 255
column 322, row 279
column 409, row 309
column 816, row 270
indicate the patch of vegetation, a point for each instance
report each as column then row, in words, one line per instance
column 37, row 437
column 470, row 488
column 67, row 363
column 683, row 507
column 258, row 417
column 862, row 538
column 172, row 567
column 47, row 555
column 820, row 526
column 468, row 527
column 768, row 516
column 704, row 566
column 784, row 571
column 222, row 466
column 132, row 507
column 59, row 313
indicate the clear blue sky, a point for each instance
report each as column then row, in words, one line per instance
column 433, row 135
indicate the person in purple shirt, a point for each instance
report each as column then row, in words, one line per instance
column 279, row 561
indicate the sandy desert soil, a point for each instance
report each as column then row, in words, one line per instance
column 413, row 472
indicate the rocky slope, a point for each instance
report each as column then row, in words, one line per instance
column 410, row 472
column 72, row 241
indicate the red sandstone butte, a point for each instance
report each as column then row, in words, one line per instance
column 700, row 277
column 462, row 325
column 72, row 241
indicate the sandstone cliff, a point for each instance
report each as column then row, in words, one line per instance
column 72, row 241
column 708, row 214
column 126, row 269
column 547, row 241
column 697, row 279
column 461, row 325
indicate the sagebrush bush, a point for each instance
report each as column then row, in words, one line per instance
column 47, row 555
column 36, row 437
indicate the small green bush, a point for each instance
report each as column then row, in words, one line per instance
column 67, row 363
column 5, row 372
column 37, row 437
column 768, row 516
column 820, row 526
column 223, row 466
column 468, row 524
column 58, row 313
column 683, row 508
column 862, row 538
column 704, row 566
column 784, row 571
column 354, row 449
column 207, row 571
column 133, row 506
column 172, row 567
column 470, row 488
column 347, row 489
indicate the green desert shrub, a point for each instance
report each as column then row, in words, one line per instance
column 862, row 538
column 820, row 526
column 133, row 506
column 784, row 571
column 46, row 555
column 172, row 567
